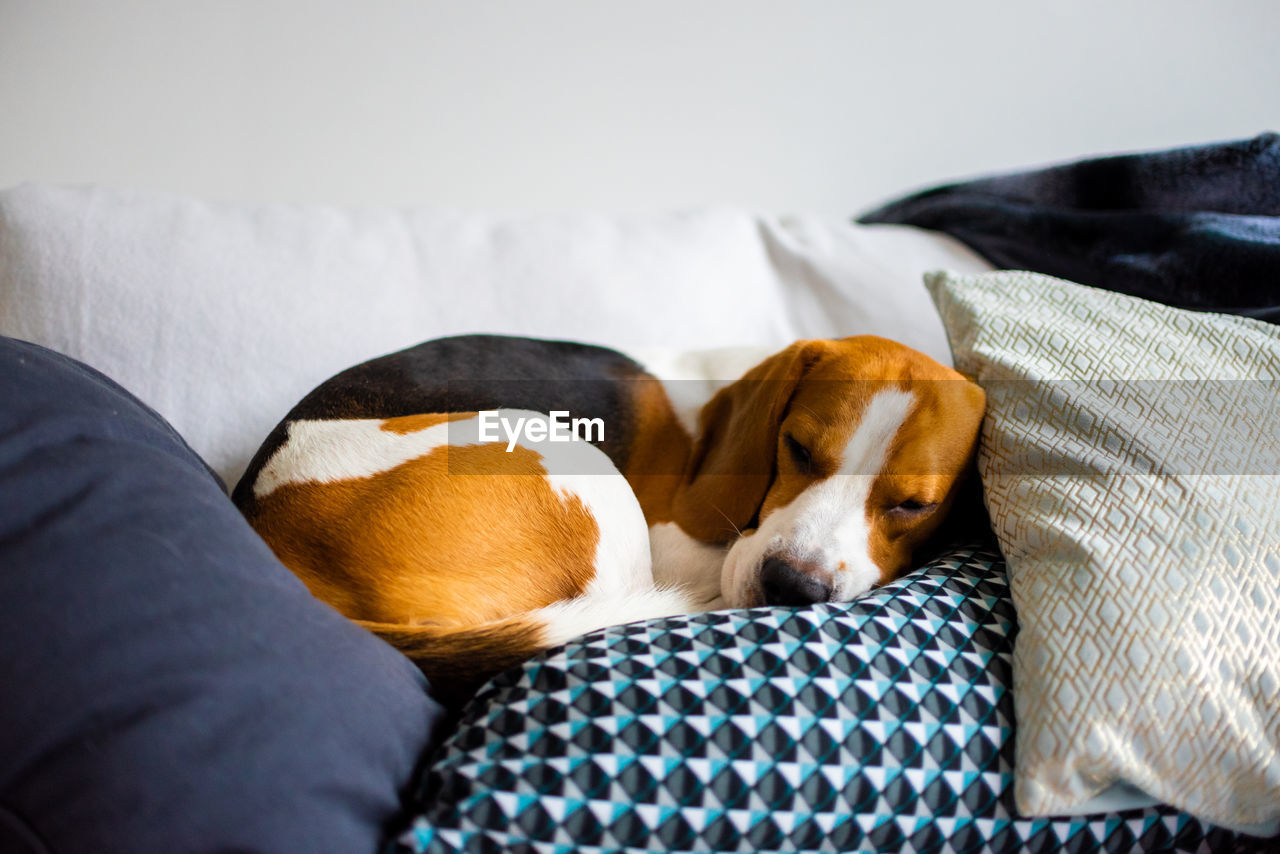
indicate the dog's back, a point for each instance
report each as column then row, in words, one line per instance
column 468, row 373
column 469, row 555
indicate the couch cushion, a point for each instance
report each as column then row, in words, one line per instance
column 168, row 685
column 222, row 316
column 1130, row 461
column 885, row 724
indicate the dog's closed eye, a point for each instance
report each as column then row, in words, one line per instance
column 912, row 508
column 800, row 455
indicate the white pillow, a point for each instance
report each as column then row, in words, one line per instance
column 222, row 316
column 1130, row 460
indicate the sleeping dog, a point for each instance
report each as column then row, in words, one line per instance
column 439, row 497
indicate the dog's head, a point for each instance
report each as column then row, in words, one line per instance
column 826, row 466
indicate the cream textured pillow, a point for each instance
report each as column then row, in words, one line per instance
column 1131, row 466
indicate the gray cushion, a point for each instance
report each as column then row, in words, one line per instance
column 168, row 685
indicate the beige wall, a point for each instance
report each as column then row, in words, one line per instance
column 784, row 105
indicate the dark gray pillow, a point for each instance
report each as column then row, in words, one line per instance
column 166, row 684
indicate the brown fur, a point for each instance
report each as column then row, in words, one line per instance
column 731, row 465
column 658, row 451
column 407, row 424
column 398, row 552
column 457, row 661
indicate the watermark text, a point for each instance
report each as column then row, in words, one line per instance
column 556, row 427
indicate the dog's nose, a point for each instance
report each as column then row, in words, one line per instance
column 783, row 583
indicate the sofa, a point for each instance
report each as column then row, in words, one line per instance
column 171, row 687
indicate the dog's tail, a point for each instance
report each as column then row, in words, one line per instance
column 458, row 660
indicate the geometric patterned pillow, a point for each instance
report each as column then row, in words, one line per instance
column 884, row 724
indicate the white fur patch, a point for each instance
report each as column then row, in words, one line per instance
column 594, row 610
column 680, row 560
column 334, row 450
column 825, row 524
column 623, row 590
column 622, row 555
column 328, row 451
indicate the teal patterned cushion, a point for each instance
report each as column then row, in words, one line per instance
column 881, row 725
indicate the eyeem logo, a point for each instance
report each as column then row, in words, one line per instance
column 556, row 428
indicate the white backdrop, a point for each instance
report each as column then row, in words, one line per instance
column 821, row 106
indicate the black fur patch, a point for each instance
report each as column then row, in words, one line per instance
column 472, row 372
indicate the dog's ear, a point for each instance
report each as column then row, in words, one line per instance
column 734, row 457
column 966, row 512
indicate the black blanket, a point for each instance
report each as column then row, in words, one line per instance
column 1197, row 227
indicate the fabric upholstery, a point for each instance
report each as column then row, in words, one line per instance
column 1195, row 227
column 222, row 316
column 167, row 684
column 884, row 725
column 1130, row 461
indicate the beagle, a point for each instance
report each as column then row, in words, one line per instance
column 401, row 494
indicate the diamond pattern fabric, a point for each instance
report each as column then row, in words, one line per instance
column 885, row 724
column 1130, row 461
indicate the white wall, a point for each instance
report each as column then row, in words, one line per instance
column 782, row 105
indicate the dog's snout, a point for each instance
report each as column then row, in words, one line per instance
column 786, row 583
